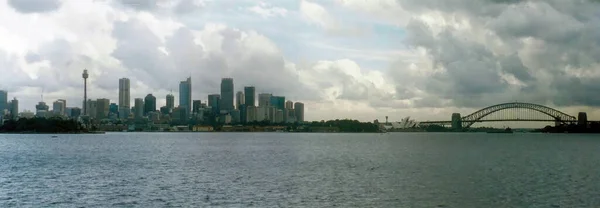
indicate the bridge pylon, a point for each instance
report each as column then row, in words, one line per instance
column 456, row 121
column 582, row 119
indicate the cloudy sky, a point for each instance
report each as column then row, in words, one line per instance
column 361, row 59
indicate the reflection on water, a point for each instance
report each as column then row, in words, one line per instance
column 307, row 170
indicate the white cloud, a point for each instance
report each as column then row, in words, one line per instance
column 265, row 10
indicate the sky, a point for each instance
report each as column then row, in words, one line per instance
column 358, row 59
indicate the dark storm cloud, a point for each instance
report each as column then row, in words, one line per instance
column 539, row 41
column 35, row 6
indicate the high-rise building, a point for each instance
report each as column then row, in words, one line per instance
column 289, row 105
column 14, row 108
column 214, row 102
column 102, row 108
column 170, row 101
column 75, row 112
column 278, row 116
column 113, row 108
column 185, row 94
column 91, row 106
column 196, row 105
column 250, row 114
column 250, row 96
column 149, row 104
column 3, row 101
column 264, row 99
column 239, row 100
column 299, row 109
column 139, row 108
column 58, row 107
column 124, row 98
column 226, row 103
column 41, row 106
column 278, row 102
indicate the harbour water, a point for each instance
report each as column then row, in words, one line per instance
column 300, row 170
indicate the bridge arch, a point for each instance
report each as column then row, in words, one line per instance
column 557, row 115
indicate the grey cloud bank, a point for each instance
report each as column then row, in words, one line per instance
column 467, row 54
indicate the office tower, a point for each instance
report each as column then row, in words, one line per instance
column 165, row 110
column 149, row 104
column 226, row 103
column 113, row 109
column 250, row 96
column 251, row 114
column 279, row 116
column 138, row 108
column 124, row 98
column 102, row 108
column 235, row 116
column 185, row 94
column 58, row 107
column 75, row 112
column 289, row 105
column 3, row 101
column 170, row 101
column 85, row 76
column 239, row 100
column 214, row 102
column 278, row 102
column 264, row 99
column 41, row 106
column 299, row 109
column 91, row 108
column 14, row 109
column 196, row 106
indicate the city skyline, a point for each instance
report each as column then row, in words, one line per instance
column 344, row 59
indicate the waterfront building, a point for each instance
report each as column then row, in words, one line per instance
column 226, row 103
column 249, row 96
column 124, row 98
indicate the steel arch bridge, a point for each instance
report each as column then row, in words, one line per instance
column 515, row 111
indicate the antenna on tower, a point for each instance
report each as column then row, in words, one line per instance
column 42, row 95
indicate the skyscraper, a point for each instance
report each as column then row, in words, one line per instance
column 14, row 108
column 170, row 101
column 196, row 106
column 264, row 99
column 58, row 107
column 299, row 109
column 185, row 94
column 226, row 103
column 3, row 101
column 250, row 96
column 289, row 105
column 149, row 104
column 239, row 100
column 102, row 108
column 214, row 102
column 124, row 98
column 139, row 108
column 278, row 102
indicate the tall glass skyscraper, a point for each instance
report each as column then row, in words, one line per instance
column 185, row 94
column 250, row 94
column 214, row 102
column 3, row 101
column 226, row 103
column 149, row 104
column 124, row 98
column 278, row 102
